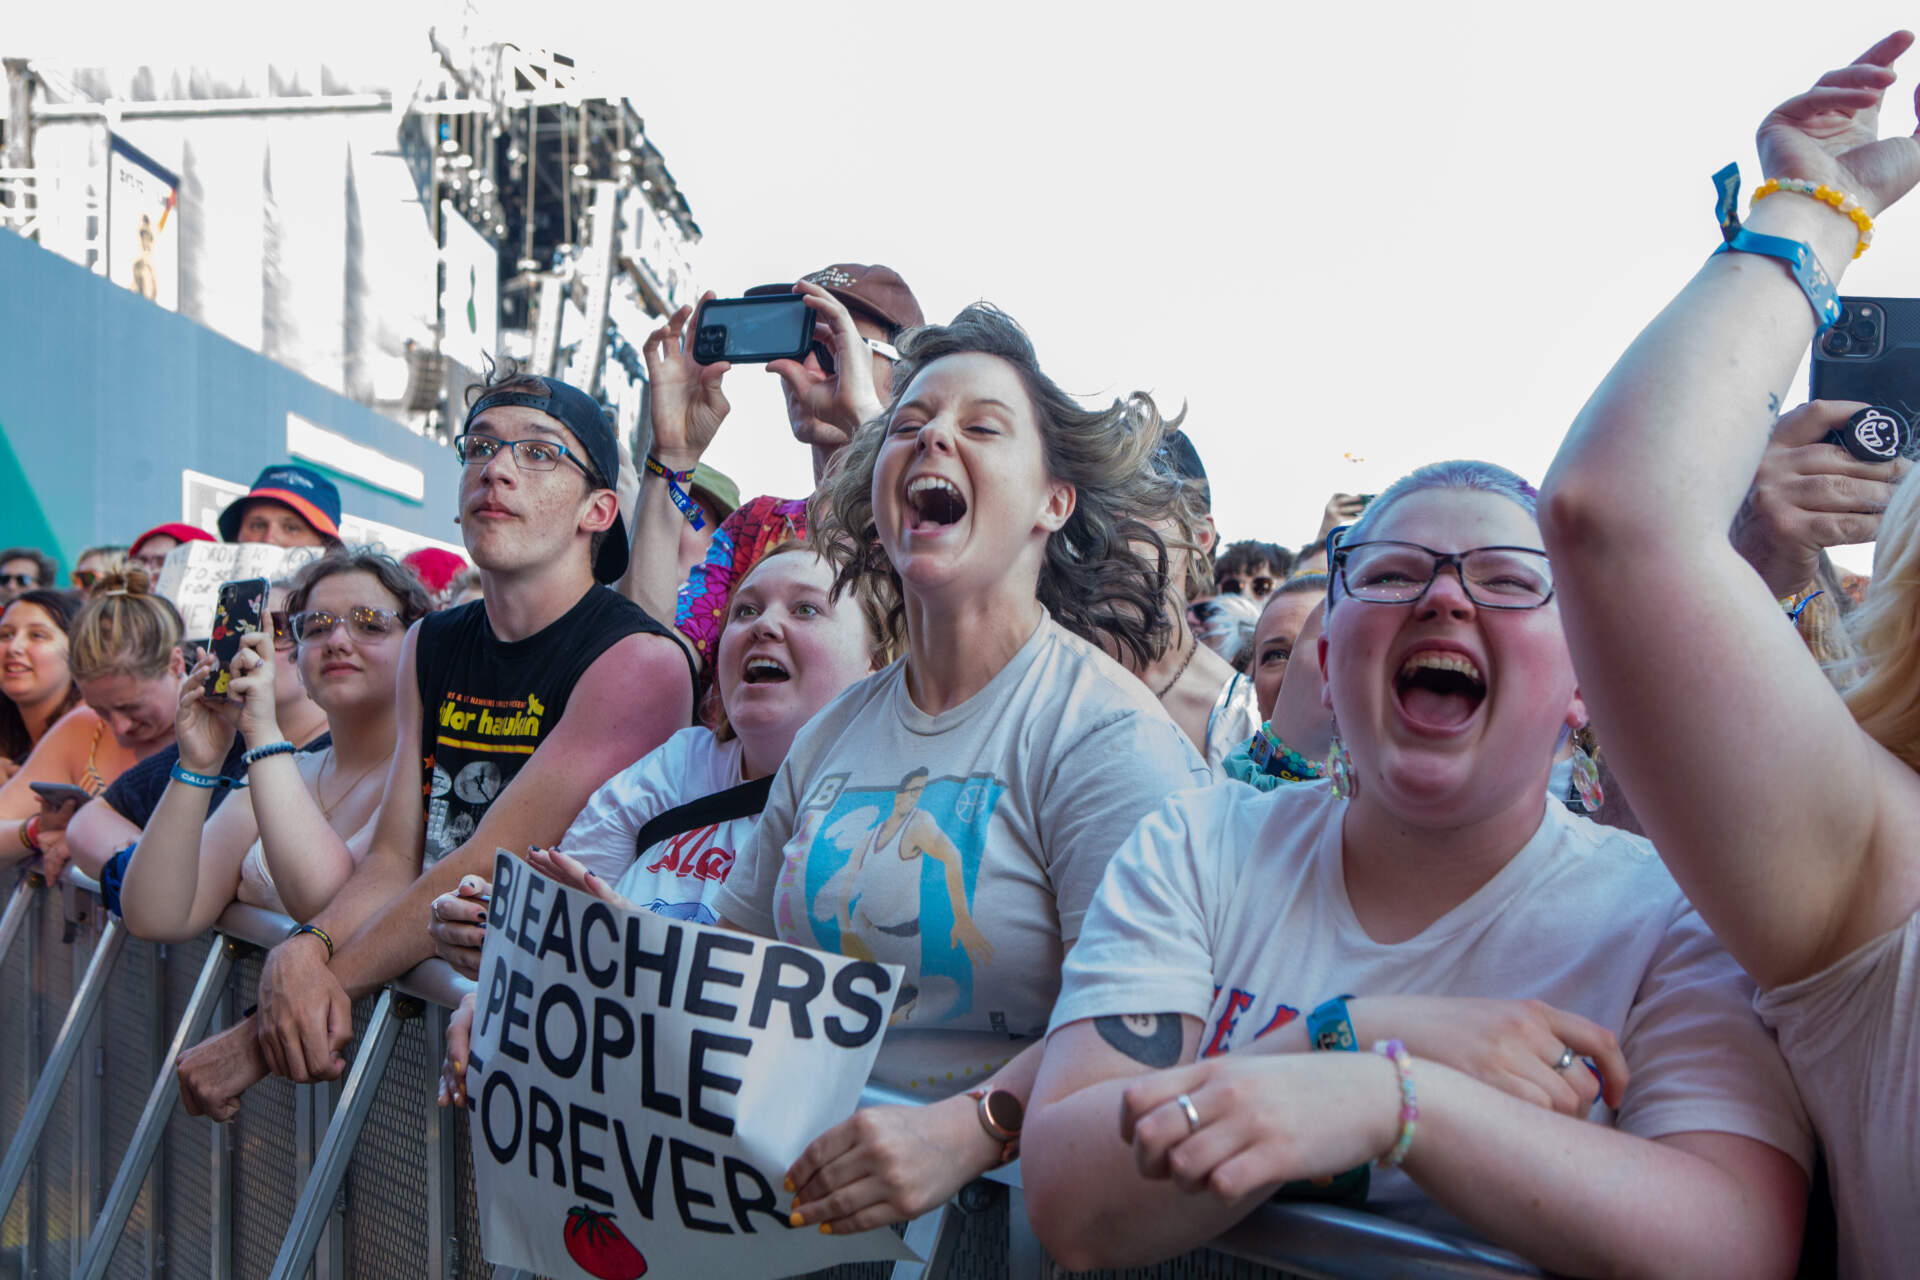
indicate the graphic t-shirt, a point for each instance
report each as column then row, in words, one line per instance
column 736, row 546
column 487, row 703
column 680, row 876
column 964, row 846
column 1852, row 1035
column 1230, row 905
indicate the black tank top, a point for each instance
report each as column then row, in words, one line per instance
column 487, row 703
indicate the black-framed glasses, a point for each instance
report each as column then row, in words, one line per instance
column 1386, row 572
column 363, row 622
column 477, row 450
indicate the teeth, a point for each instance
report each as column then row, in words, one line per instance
column 928, row 484
column 1435, row 660
column 763, row 667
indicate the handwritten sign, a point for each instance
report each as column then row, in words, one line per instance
column 641, row 1086
column 193, row 573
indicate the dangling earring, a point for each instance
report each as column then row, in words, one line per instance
column 1339, row 767
column 1586, row 772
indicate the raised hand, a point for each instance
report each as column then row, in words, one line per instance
column 846, row 397
column 203, row 729
column 251, row 689
column 1831, row 133
column 688, row 405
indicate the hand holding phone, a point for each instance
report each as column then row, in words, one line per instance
column 752, row 330
column 60, row 795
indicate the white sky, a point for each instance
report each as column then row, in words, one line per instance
column 1352, row 238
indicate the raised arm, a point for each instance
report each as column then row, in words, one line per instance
column 1782, row 820
column 687, row 407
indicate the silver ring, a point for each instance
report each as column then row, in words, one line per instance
column 1193, row 1116
column 1565, row 1060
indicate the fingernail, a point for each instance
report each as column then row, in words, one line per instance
column 482, row 917
column 459, row 1065
column 826, row 1228
column 795, row 1220
column 786, row 1184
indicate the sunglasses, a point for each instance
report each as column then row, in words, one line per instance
column 885, row 350
column 282, row 629
column 18, row 580
column 363, row 623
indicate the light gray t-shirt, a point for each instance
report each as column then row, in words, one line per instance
column 1230, row 905
column 1851, row 1033
column 964, row 846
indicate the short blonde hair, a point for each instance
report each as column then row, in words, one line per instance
column 1884, row 695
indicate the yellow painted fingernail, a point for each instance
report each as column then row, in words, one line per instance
column 459, row 1066
column 795, row 1220
column 786, row 1184
column 826, row 1228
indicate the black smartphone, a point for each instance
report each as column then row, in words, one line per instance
column 1871, row 354
column 753, row 330
column 59, row 793
column 236, row 611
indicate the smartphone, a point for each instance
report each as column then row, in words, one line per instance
column 59, row 793
column 1871, row 354
column 236, row 611
column 753, row 330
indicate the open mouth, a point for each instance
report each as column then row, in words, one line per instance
column 1439, row 688
column 765, row 671
column 935, row 502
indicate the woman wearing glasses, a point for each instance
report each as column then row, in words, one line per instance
column 1429, row 901
column 310, row 814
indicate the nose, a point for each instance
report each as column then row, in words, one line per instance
column 1447, row 595
column 500, row 466
column 937, row 434
column 767, row 623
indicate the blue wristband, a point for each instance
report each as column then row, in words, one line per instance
column 1800, row 259
column 1329, row 1027
column 257, row 754
column 192, row 779
column 681, row 498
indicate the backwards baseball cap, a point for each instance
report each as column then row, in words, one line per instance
column 874, row 291
column 1178, row 456
column 177, row 531
column 308, row 492
column 581, row 414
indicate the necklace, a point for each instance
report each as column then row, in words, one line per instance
column 1185, row 662
column 326, row 810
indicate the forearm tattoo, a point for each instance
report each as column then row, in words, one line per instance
column 1152, row 1039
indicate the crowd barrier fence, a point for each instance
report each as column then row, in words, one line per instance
column 104, row 1176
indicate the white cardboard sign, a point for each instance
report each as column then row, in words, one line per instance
column 640, row 1086
column 193, row 573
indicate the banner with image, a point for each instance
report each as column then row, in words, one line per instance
column 640, row 1086
column 142, row 225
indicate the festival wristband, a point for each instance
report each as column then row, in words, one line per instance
column 1330, row 1027
column 317, row 932
column 30, row 832
column 1278, row 760
column 1796, row 604
column 206, row 782
column 256, row 754
column 1799, row 257
column 681, row 499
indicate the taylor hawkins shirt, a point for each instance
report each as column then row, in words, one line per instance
column 488, row 703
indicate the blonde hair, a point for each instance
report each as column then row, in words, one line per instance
column 1885, row 696
column 124, row 627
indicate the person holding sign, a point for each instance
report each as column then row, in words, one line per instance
column 124, row 651
column 953, row 814
column 1491, row 940
column 665, row 832
column 511, row 713
column 309, row 816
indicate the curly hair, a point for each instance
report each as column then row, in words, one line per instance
column 395, row 578
column 1093, row 580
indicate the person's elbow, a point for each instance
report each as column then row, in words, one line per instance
column 1063, row 1202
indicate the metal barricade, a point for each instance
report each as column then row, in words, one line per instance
column 370, row 1177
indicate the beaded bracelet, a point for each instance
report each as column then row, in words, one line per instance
column 1840, row 200
column 317, row 932
column 675, row 480
column 256, row 754
column 1278, row 760
column 1396, row 1053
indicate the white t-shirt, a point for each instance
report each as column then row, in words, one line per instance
column 964, row 846
column 1230, row 905
column 679, row 877
column 1851, row 1033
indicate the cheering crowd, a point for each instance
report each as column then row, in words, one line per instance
column 1469, row 862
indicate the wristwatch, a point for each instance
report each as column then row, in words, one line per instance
column 1001, row 1114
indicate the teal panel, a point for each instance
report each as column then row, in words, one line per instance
column 22, row 521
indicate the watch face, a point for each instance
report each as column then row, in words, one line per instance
column 1004, row 1109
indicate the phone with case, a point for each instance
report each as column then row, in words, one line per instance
column 753, row 330
column 237, row 610
column 1871, row 354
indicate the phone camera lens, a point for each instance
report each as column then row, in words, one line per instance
column 1836, row 343
column 1865, row 331
column 1846, row 314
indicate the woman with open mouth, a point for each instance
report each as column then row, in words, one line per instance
column 36, row 682
column 953, row 813
column 1566, row 1062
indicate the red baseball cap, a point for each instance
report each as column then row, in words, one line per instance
column 177, row 531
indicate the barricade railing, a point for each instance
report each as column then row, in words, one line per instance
column 332, row 1134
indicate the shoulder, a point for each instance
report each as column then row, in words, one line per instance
column 1082, row 693
column 77, row 726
